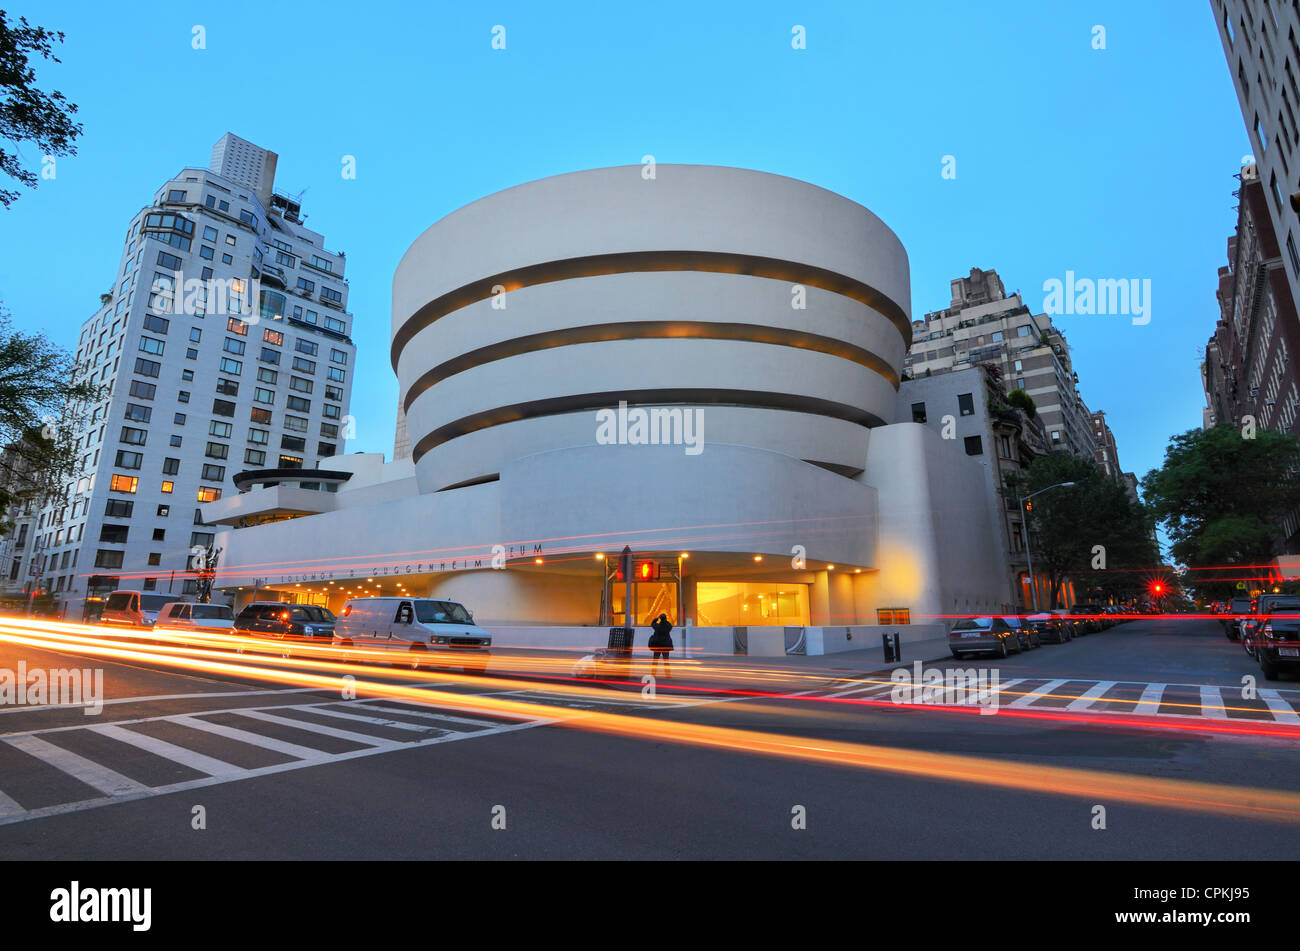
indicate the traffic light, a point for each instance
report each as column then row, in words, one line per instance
column 647, row 571
column 1029, row 505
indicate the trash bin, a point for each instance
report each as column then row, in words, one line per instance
column 893, row 650
column 620, row 643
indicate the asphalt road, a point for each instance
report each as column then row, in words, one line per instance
column 289, row 773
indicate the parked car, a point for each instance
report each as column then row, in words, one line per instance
column 421, row 632
column 1077, row 628
column 134, row 608
column 1238, row 608
column 288, row 623
column 1264, row 605
column 181, row 617
column 981, row 635
column 1026, row 632
column 1277, row 638
column 1049, row 627
column 1088, row 615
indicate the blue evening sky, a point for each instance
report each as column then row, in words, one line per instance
column 1112, row 163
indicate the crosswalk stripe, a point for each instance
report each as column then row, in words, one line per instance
column 9, row 807
column 1282, row 711
column 1149, row 702
column 1212, row 704
column 378, row 721
column 107, row 781
column 1037, row 693
column 178, row 754
column 1085, row 699
column 365, row 738
column 873, row 689
column 252, row 739
column 423, row 712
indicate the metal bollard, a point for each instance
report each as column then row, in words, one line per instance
column 893, row 650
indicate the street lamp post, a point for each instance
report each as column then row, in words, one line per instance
column 1024, row 534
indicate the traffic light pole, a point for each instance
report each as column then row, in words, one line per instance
column 628, row 615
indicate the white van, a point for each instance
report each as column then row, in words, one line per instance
column 134, row 608
column 427, row 631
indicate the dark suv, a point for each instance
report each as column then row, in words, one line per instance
column 1275, row 637
column 291, row 623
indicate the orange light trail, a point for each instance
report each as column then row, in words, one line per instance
column 1268, row 804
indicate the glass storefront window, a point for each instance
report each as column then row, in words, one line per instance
column 776, row 603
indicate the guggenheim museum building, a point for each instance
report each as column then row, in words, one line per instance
column 700, row 365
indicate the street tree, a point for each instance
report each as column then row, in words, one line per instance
column 28, row 114
column 1221, row 497
column 40, row 403
column 1091, row 531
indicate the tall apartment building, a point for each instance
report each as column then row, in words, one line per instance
column 985, row 325
column 223, row 345
column 1261, row 40
column 1248, row 371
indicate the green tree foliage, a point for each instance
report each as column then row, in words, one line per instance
column 39, row 406
column 28, row 114
column 1022, row 400
column 1220, row 497
column 1069, row 523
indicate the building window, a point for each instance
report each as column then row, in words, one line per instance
column 217, row 450
column 270, row 356
column 297, row 424
column 191, row 354
column 209, row 493
column 233, row 346
column 290, row 462
column 175, row 441
column 966, row 404
column 307, row 347
column 206, row 252
column 1292, row 254
column 113, row 534
column 168, row 487
column 301, row 384
column 214, row 473
column 135, row 437
column 338, row 356
column 128, row 460
column 158, row 325
column 171, row 466
column 122, row 483
column 176, row 194
column 262, row 416
column 259, row 437
column 893, row 615
column 254, row 457
column 305, row 365
column 306, row 285
column 267, row 375
column 273, row 337
column 113, row 508
column 236, row 326
column 150, row 345
column 159, row 534
column 974, row 446
column 298, row 404
column 219, row 429
column 329, row 294
column 223, row 408
column 330, row 411
column 233, row 367
column 147, row 367
column 108, row 558
column 293, row 443
column 164, row 511
column 336, row 374
column 227, row 387
column 155, row 558
column 325, row 449
column 137, row 413
column 142, row 390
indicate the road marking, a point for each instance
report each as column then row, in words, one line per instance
column 91, row 773
column 1037, row 694
column 1212, row 703
column 1282, row 711
column 178, row 754
column 378, row 721
column 1149, row 702
column 445, row 717
column 167, row 696
column 1085, row 699
column 9, row 807
column 82, row 805
column 252, row 739
column 311, row 727
column 874, row 687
